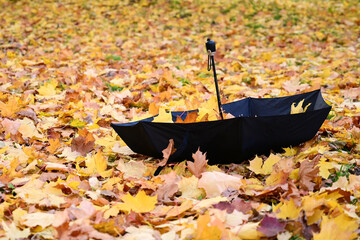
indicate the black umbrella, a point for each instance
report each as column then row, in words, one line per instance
column 259, row 126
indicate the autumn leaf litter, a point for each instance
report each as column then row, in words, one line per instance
column 70, row 69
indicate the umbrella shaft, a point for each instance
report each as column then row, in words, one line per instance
column 216, row 86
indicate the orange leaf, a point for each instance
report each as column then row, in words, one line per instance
column 204, row 231
column 54, row 145
column 9, row 109
column 153, row 109
column 190, row 118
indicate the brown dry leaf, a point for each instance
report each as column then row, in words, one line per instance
column 11, row 127
column 169, row 187
column 30, row 113
column 308, row 171
column 167, row 152
column 84, row 143
column 199, row 164
column 81, row 230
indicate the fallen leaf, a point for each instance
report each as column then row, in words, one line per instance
column 11, row 127
column 28, row 129
column 340, row 227
column 308, row 171
column 299, row 108
column 199, row 164
column 97, row 164
column 13, row 233
column 257, row 166
column 236, row 218
column 170, row 186
column 84, row 143
column 189, row 188
column 38, row 219
column 204, row 231
column 176, row 211
column 163, row 117
column 214, row 183
column 131, row 168
column 190, row 117
column 10, row 108
column 270, row 226
column 141, row 203
column 167, row 152
column 54, row 145
column 287, row 209
column 48, row 89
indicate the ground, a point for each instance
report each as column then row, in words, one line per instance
column 70, row 68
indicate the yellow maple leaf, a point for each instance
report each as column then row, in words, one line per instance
column 255, row 165
column 315, row 217
column 97, row 164
column 210, row 108
column 340, row 227
column 311, row 202
column 9, row 109
column 48, row 89
column 299, row 107
column 324, row 168
column 265, row 169
column 188, row 187
column 289, row 152
column 204, row 231
column 141, row 203
column 163, row 117
column 287, row 209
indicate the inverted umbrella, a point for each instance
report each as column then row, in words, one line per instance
column 258, row 126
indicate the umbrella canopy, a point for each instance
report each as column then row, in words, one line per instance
column 260, row 125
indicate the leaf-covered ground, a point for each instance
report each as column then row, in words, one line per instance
column 70, row 68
